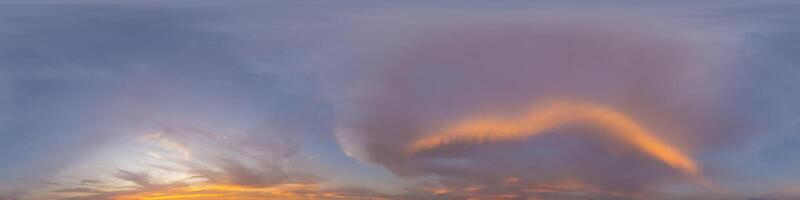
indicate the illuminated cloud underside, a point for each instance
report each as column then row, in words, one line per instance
column 550, row 115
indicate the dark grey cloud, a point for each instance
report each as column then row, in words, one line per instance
column 140, row 179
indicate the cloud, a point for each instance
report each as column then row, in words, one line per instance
column 555, row 114
column 664, row 78
column 215, row 100
column 140, row 179
column 229, row 165
column 80, row 79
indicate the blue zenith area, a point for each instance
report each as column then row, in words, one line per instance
column 770, row 85
column 79, row 78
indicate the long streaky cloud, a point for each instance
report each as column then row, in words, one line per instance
column 550, row 115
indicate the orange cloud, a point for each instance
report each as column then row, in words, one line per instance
column 570, row 185
column 550, row 115
column 209, row 191
column 220, row 191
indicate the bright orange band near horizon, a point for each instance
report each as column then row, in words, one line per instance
column 551, row 115
column 222, row 191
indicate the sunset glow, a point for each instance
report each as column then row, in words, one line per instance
column 399, row 100
column 550, row 115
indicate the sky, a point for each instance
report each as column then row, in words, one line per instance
column 471, row 100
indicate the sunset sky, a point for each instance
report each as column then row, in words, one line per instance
column 406, row 100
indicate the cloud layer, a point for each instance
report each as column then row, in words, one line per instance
column 663, row 78
column 399, row 100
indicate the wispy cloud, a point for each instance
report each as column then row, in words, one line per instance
column 430, row 100
column 230, row 168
